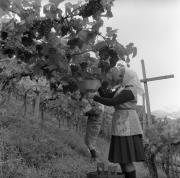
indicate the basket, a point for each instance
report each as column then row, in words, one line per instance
column 89, row 85
column 101, row 173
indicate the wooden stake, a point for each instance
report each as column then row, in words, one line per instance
column 145, row 80
column 144, row 115
column 36, row 110
column 146, row 94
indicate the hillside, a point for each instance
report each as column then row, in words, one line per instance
column 163, row 113
column 32, row 149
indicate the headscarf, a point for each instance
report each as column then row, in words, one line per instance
column 130, row 78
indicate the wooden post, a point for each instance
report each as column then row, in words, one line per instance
column 144, row 115
column 145, row 80
column 146, row 93
column 37, row 103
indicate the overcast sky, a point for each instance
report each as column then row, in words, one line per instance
column 154, row 27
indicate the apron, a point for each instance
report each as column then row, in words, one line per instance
column 125, row 121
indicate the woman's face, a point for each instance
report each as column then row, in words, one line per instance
column 118, row 79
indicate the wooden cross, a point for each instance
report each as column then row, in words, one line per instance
column 145, row 80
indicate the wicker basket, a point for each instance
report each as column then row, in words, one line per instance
column 101, row 173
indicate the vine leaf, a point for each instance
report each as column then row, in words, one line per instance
column 56, row 2
column 83, row 35
column 110, row 32
column 68, row 7
column 134, row 52
column 4, row 5
column 97, row 25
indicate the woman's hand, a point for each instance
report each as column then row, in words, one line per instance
column 96, row 97
column 91, row 95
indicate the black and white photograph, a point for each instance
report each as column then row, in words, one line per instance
column 89, row 88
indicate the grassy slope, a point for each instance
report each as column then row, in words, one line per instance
column 47, row 151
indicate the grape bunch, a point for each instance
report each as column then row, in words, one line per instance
column 104, row 66
column 76, row 24
column 39, row 49
column 9, row 52
column 46, row 26
column 75, row 42
column 113, row 57
column 24, row 55
column 107, row 53
column 46, row 71
column 42, row 27
column 91, row 8
column 27, row 39
column 84, row 65
column 1, row 70
column 104, row 53
column 64, row 30
column 68, row 56
column 74, row 68
column 54, row 86
column 4, row 35
column 71, row 87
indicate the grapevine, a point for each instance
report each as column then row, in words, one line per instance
column 93, row 7
column 57, row 47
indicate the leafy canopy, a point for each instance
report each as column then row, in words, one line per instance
column 57, row 42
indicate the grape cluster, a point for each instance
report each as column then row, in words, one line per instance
column 39, row 49
column 64, row 30
column 9, row 52
column 43, row 27
column 105, row 52
column 104, row 66
column 1, row 70
column 71, row 87
column 27, row 39
column 46, row 71
column 84, row 65
column 113, row 57
column 74, row 68
column 4, row 35
column 54, row 85
column 76, row 24
column 68, row 56
column 24, row 55
column 75, row 42
column 91, row 8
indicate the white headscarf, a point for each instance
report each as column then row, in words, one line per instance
column 130, row 78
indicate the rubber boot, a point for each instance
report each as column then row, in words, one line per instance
column 93, row 155
column 130, row 174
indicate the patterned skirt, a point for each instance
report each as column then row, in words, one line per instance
column 126, row 149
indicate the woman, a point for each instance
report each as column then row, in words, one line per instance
column 126, row 144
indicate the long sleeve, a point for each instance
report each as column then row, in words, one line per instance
column 106, row 93
column 124, row 96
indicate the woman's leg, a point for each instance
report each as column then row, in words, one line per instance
column 129, row 170
column 123, row 168
column 130, row 167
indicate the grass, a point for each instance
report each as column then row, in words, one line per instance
column 36, row 150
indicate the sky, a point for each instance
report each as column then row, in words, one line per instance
column 154, row 28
